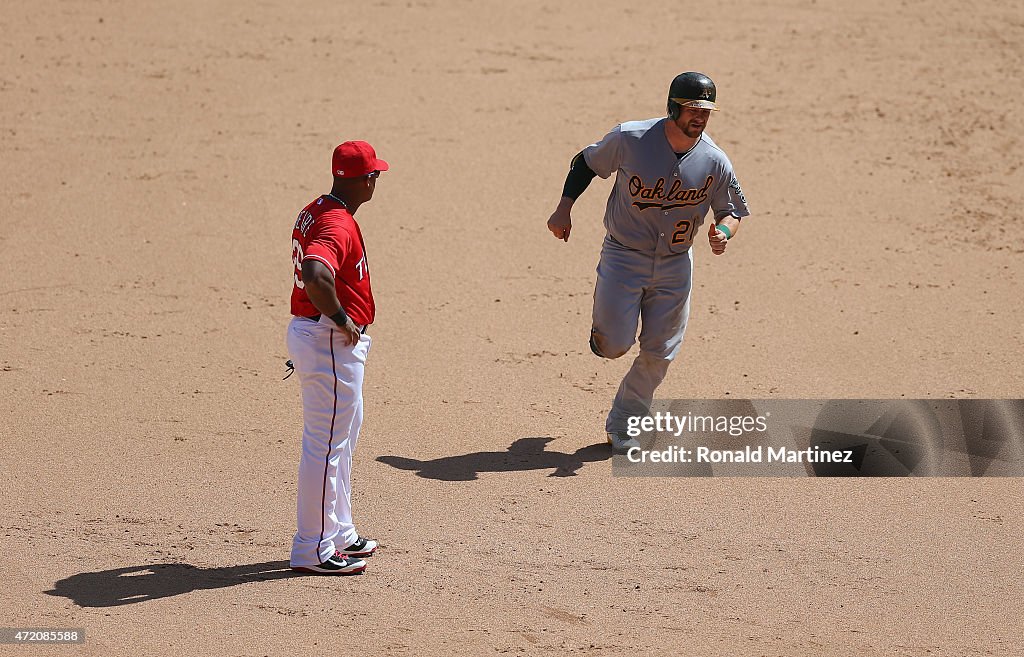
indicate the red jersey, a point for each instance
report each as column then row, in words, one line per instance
column 327, row 232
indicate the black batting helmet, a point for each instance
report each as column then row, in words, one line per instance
column 690, row 89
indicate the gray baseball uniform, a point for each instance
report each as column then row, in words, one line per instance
column 658, row 202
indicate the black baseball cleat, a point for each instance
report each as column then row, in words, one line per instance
column 363, row 547
column 336, row 564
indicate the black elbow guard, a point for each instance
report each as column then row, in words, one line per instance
column 579, row 177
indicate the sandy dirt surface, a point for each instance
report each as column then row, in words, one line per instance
column 154, row 156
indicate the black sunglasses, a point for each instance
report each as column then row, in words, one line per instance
column 373, row 174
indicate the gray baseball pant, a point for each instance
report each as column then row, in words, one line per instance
column 634, row 286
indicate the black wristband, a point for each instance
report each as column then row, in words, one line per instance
column 339, row 318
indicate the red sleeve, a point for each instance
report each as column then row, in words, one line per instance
column 328, row 243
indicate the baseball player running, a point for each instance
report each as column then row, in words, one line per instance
column 332, row 305
column 668, row 174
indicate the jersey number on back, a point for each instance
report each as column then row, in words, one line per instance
column 297, row 261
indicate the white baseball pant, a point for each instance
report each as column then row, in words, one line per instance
column 331, row 376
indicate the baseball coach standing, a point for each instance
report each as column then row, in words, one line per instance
column 332, row 305
column 668, row 175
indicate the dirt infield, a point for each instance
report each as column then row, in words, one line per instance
column 155, row 156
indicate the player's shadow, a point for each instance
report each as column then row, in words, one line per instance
column 125, row 586
column 523, row 454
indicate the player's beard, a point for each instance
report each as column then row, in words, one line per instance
column 689, row 129
column 692, row 131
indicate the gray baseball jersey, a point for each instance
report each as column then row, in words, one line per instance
column 660, row 200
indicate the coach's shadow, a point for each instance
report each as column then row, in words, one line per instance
column 125, row 586
column 523, row 454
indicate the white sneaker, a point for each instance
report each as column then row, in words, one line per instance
column 622, row 443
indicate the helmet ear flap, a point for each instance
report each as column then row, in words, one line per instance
column 673, row 109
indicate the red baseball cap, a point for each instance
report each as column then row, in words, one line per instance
column 354, row 159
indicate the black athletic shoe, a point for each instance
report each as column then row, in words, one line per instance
column 363, row 547
column 336, row 564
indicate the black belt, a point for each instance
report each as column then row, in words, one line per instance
column 316, row 318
